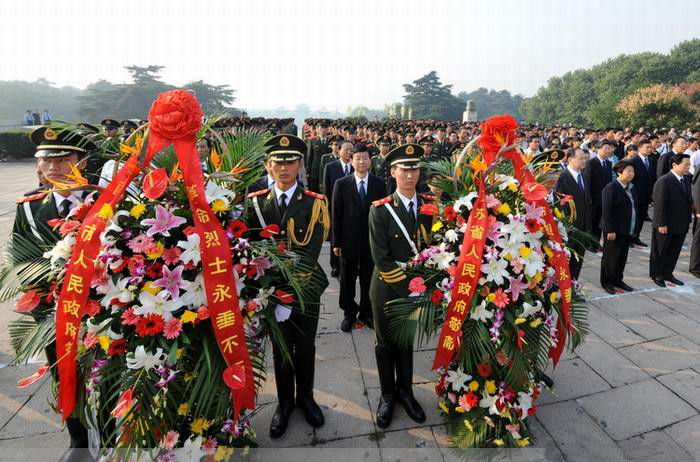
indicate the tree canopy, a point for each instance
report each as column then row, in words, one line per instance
column 591, row 97
column 430, row 99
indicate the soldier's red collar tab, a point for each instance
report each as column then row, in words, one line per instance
column 32, row 198
column 314, row 195
column 427, row 197
column 381, row 202
column 257, row 193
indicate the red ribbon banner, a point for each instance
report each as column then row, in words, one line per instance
column 466, row 278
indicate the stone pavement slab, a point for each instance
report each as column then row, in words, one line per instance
column 612, row 366
column 686, row 384
column 647, row 326
column 664, row 356
column 572, row 379
column 635, row 409
column 609, row 329
column 576, row 434
column 653, row 447
column 687, row 434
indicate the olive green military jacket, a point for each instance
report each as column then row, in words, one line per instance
column 325, row 160
column 304, row 227
column 389, row 247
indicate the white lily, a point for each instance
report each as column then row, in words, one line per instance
column 215, row 192
column 495, row 270
column 194, row 294
column 529, row 310
column 480, row 313
column 458, row 379
column 489, row 402
column 191, row 251
column 141, row 359
column 158, row 304
column 61, row 251
column 120, row 291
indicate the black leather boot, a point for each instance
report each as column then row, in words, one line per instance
column 284, row 381
column 404, row 374
column 304, row 370
column 280, row 419
column 387, row 382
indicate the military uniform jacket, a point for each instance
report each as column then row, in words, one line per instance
column 33, row 213
column 304, row 227
column 325, row 160
column 390, row 248
column 316, row 149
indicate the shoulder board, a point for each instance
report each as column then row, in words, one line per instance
column 427, row 197
column 314, row 195
column 381, row 202
column 258, row 193
column 33, row 197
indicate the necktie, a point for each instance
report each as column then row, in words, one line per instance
column 363, row 194
column 580, row 181
column 64, row 208
column 686, row 187
column 347, row 170
column 412, row 214
column 646, row 163
column 283, row 203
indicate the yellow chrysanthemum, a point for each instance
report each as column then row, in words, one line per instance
column 188, row 316
column 498, row 442
column 178, row 353
column 522, row 442
column 490, row 386
column 538, row 277
column 105, row 212
column 437, row 226
column 504, row 209
column 104, row 342
column 468, row 424
column 513, row 187
column 473, row 385
column 444, row 407
column 183, row 409
column 220, row 206
column 534, row 324
column 554, row 297
column 200, row 425
column 525, row 251
column 519, row 321
column 137, row 210
column 156, row 254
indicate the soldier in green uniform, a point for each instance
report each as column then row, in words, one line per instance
column 397, row 232
column 303, row 219
column 57, row 151
column 128, row 127
column 378, row 167
column 316, row 149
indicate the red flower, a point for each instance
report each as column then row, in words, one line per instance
column 80, row 212
column 282, row 247
column 171, row 255
column 437, row 296
column 93, row 307
column 450, row 213
column 28, row 302
column 417, row 285
column 429, row 209
column 154, row 270
column 472, row 399
column 135, row 264
column 269, row 230
column 151, row 324
column 68, row 227
column 532, row 411
column 175, row 114
column 497, row 132
column 121, row 267
column 189, row 230
column 237, row 227
column 284, row 297
column 32, row 379
column 534, row 191
column 124, row 404
column 155, row 183
column 117, row 347
column 54, row 222
column 532, row 225
column 501, row 299
column 484, row 369
column 203, row 313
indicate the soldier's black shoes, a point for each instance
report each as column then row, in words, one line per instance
column 280, row 419
column 625, row 287
column 311, row 411
column 659, row 282
column 409, row 403
column 673, row 280
column 346, row 325
column 609, row 289
column 385, row 410
column 335, row 272
column 368, row 321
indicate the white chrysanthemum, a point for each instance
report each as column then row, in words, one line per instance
column 451, row 236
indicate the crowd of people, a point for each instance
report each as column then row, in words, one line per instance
column 34, row 118
column 371, row 175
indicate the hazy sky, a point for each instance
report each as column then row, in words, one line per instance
column 330, row 53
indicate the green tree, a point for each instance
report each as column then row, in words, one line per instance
column 430, row 99
column 491, row 102
column 212, row 98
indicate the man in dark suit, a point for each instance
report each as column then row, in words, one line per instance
column 597, row 174
column 695, row 248
column 333, row 172
column 352, row 196
column 672, row 212
column 644, row 178
column 664, row 164
column 618, row 223
column 571, row 182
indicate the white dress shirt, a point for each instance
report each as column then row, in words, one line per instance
column 406, row 201
column 289, row 192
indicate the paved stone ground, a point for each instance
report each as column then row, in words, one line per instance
column 631, row 392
